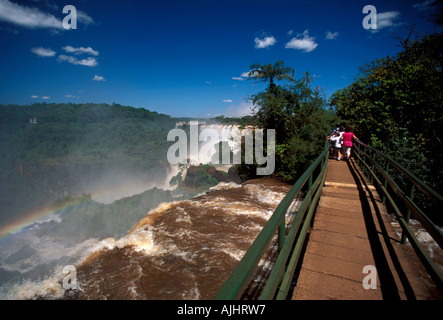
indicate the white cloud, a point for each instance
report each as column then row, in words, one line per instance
column 84, row 18
column 307, row 43
column 30, row 17
column 244, row 76
column 89, row 62
column 244, row 109
column 80, row 50
column 386, row 19
column 37, row 97
column 48, row 4
column 422, row 6
column 228, row 101
column 98, row 78
column 27, row 17
column 43, row 52
column 331, row 35
column 267, row 41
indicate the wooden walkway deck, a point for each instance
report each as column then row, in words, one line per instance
column 352, row 230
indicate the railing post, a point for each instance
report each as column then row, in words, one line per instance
column 291, row 238
column 408, row 214
column 364, row 157
column 281, row 234
column 371, row 179
column 310, row 186
column 359, row 152
column 385, row 184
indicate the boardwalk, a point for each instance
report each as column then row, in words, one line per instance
column 352, row 230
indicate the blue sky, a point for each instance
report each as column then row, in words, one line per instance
column 188, row 58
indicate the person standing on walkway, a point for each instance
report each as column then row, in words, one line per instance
column 348, row 135
column 337, row 140
column 337, row 130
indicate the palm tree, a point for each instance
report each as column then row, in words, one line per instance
column 271, row 73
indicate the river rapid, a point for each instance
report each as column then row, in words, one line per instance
column 184, row 249
column 180, row 250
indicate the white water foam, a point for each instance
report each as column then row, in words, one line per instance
column 141, row 239
column 50, row 288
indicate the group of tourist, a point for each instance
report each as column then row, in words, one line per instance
column 341, row 137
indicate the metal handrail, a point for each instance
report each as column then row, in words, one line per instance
column 290, row 245
column 432, row 194
column 373, row 167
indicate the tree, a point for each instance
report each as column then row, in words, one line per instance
column 271, row 73
column 298, row 115
column 396, row 104
column 437, row 16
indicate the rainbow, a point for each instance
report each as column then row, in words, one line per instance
column 33, row 217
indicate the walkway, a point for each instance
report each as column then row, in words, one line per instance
column 352, row 230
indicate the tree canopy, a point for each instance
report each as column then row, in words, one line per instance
column 297, row 111
column 271, row 72
column 68, row 144
column 396, row 105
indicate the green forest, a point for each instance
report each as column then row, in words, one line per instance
column 97, row 131
column 394, row 105
column 50, row 150
column 298, row 112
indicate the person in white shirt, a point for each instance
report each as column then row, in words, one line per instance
column 337, row 138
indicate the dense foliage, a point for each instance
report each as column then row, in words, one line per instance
column 96, row 130
column 297, row 111
column 49, row 150
column 396, row 106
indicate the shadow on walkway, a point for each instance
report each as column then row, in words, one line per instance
column 389, row 268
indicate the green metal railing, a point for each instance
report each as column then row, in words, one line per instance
column 291, row 238
column 405, row 195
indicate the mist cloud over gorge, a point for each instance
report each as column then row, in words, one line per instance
column 87, row 172
column 62, row 175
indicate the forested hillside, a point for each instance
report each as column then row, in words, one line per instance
column 395, row 105
column 297, row 111
column 52, row 151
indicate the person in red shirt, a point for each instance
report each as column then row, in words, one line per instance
column 347, row 136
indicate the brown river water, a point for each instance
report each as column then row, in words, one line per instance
column 184, row 249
